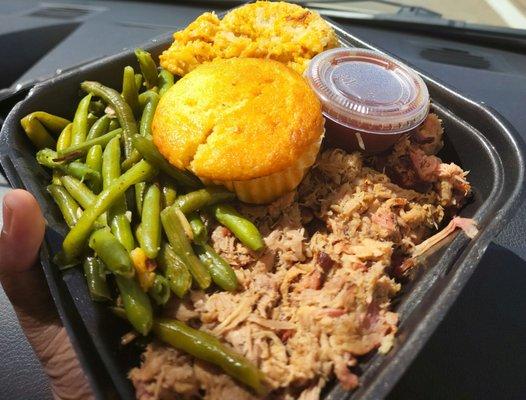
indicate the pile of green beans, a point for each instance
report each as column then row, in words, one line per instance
column 138, row 225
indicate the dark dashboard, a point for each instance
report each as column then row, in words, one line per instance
column 479, row 350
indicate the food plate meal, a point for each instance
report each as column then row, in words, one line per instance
column 253, row 204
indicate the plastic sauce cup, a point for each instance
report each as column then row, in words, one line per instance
column 369, row 99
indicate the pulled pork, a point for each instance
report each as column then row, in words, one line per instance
column 319, row 295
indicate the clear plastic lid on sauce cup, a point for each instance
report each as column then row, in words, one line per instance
column 369, row 99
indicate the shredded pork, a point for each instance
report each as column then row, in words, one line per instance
column 319, row 295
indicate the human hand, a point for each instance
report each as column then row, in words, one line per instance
column 24, row 284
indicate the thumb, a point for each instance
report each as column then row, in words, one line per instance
column 22, row 233
column 24, row 284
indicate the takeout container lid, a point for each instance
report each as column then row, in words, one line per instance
column 368, row 91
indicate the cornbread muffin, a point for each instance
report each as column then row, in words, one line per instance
column 281, row 31
column 252, row 125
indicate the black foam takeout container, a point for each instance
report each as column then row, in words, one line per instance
column 476, row 138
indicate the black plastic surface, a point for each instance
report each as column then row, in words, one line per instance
column 494, row 156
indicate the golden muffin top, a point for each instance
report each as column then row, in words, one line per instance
column 281, row 31
column 237, row 119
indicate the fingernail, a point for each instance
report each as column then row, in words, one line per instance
column 7, row 216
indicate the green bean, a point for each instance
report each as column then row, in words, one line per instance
column 79, row 191
column 206, row 347
column 118, row 221
column 111, row 162
column 133, row 159
column 148, row 67
column 129, row 90
column 150, row 221
column 94, row 271
column 80, row 121
column 160, row 290
column 222, row 273
column 241, row 227
column 82, row 148
column 202, row 198
column 82, row 171
column 145, row 126
column 138, row 81
column 120, row 226
column 112, row 253
column 47, row 157
column 92, row 118
column 207, row 219
column 166, row 81
column 174, row 270
column 122, row 109
column 97, row 107
column 139, row 236
column 99, row 128
column 94, row 161
column 148, row 103
column 51, row 122
column 140, row 190
column 169, row 193
column 179, row 241
column 73, row 243
column 67, row 205
column 136, row 304
column 64, row 139
column 37, row 126
column 37, row 134
column 55, row 177
column 94, row 158
column 147, row 96
column 198, row 228
column 152, row 155
column 82, row 195
column 114, row 124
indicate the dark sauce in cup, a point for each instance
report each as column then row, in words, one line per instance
column 369, row 99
